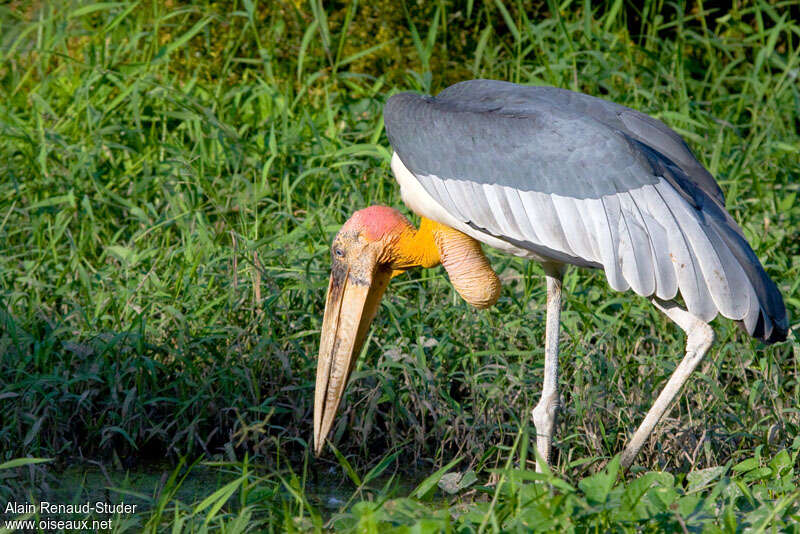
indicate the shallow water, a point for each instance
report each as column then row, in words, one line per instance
column 328, row 491
column 140, row 486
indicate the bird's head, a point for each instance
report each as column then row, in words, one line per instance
column 364, row 256
column 372, row 246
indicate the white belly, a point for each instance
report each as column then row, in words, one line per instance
column 423, row 204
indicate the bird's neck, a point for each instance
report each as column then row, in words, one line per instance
column 416, row 248
column 469, row 270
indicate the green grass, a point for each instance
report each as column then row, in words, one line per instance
column 171, row 176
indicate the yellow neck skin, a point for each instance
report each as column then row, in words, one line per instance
column 460, row 255
column 416, row 248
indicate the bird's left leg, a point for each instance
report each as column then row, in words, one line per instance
column 544, row 414
column 699, row 337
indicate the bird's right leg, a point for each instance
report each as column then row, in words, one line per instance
column 544, row 414
column 699, row 337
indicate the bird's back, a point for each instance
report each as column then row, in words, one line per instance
column 516, row 99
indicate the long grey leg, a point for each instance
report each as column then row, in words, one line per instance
column 544, row 415
column 699, row 337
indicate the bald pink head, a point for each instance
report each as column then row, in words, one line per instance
column 376, row 222
column 374, row 245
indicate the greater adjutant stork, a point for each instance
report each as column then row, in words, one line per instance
column 562, row 178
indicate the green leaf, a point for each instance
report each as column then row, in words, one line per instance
column 429, row 483
column 507, row 19
column 376, row 471
column 632, row 500
column 19, row 462
column 786, row 203
column 762, row 473
column 786, row 147
column 124, row 254
column 782, row 463
column 367, row 51
column 346, row 466
column 611, row 16
column 532, row 476
column 165, row 51
column 307, row 37
column 92, row 8
column 747, row 465
column 597, row 486
column 454, row 482
column 69, row 198
column 702, row 477
column 467, row 479
column 218, row 499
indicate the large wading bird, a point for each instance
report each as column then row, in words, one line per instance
column 562, row 178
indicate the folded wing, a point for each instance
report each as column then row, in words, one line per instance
column 583, row 181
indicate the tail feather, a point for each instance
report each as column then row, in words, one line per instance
column 772, row 324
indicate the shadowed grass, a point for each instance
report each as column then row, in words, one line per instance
column 172, row 177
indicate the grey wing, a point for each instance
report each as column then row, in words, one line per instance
column 646, row 130
column 513, row 98
column 568, row 187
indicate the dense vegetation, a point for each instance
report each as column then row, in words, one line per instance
column 171, row 175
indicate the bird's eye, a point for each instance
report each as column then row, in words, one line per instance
column 339, row 253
